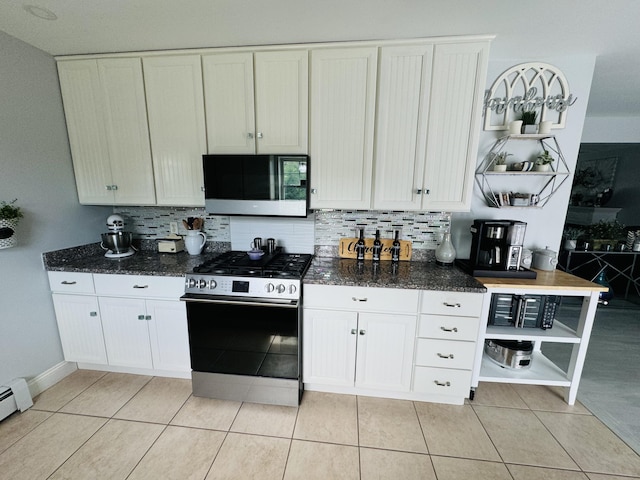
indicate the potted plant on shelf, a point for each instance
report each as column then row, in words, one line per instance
column 606, row 234
column 529, row 121
column 500, row 162
column 544, row 161
column 571, row 235
column 9, row 217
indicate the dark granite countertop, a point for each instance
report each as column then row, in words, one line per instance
column 147, row 261
column 419, row 275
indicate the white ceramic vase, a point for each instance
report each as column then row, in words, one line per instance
column 194, row 241
column 445, row 253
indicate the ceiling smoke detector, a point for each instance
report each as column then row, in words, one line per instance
column 40, row 12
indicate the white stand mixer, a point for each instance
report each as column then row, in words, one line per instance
column 116, row 242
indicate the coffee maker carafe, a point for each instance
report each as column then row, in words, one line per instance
column 497, row 244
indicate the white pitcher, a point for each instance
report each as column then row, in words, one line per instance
column 194, row 241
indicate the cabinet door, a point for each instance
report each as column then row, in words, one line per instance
column 385, row 351
column 343, row 83
column 282, row 98
column 80, row 328
column 84, row 113
column 126, row 332
column 176, row 122
column 169, row 335
column 401, row 126
column 459, row 73
column 329, row 352
column 228, row 87
column 127, row 131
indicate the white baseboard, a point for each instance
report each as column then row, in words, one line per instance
column 50, row 377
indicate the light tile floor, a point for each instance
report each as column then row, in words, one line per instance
column 96, row 425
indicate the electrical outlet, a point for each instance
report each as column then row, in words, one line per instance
column 173, row 227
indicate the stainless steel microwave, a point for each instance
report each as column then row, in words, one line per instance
column 269, row 185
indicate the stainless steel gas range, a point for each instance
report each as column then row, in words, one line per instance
column 244, row 321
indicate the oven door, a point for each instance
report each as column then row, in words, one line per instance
column 244, row 349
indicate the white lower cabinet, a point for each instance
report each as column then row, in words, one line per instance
column 80, row 328
column 126, row 322
column 446, row 344
column 358, row 340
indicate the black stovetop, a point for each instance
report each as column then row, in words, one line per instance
column 278, row 264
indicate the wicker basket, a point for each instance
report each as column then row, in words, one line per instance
column 8, row 237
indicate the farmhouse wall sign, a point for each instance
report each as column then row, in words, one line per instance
column 529, row 86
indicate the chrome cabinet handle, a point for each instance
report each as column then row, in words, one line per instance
column 419, row 191
column 452, row 305
column 141, row 286
column 93, row 314
column 441, row 384
column 140, row 317
column 363, row 332
column 359, row 299
column 353, row 331
column 259, row 135
column 314, row 190
column 454, row 329
column 445, row 356
column 427, row 191
column 148, row 317
column 250, row 135
column 65, row 282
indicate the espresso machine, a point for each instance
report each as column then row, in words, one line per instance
column 496, row 249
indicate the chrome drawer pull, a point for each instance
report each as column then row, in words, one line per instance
column 440, row 384
column 65, row 282
column 363, row 332
column 353, row 331
column 141, row 286
column 454, row 329
column 453, row 305
column 93, row 314
column 359, row 299
column 445, row 356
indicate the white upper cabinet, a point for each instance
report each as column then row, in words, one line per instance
column 257, row 102
column 107, row 124
column 343, row 88
column 401, row 126
column 176, row 119
column 459, row 73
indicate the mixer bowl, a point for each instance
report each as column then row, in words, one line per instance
column 117, row 242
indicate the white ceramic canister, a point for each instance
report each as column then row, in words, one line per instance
column 545, row 259
column 194, row 241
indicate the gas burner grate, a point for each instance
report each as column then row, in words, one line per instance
column 269, row 265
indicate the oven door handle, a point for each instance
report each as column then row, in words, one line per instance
column 246, row 302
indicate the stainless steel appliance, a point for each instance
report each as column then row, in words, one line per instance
column 496, row 249
column 523, row 311
column 244, row 320
column 274, row 185
column 117, row 242
column 516, row 354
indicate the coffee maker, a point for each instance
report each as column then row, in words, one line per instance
column 496, row 248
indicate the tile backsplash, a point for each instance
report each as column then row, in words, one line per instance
column 424, row 229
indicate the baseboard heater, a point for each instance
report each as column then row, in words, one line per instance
column 14, row 396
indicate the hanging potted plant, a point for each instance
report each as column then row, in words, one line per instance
column 9, row 217
column 544, row 161
column 529, row 121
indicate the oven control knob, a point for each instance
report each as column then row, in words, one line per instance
column 292, row 289
column 281, row 288
column 192, row 283
column 212, row 284
column 202, row 283
column 269, row 287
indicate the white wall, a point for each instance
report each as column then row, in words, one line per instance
column 611, row 130
column 35, row 168
column 544, row 225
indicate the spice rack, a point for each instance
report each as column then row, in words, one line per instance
column 497, row 186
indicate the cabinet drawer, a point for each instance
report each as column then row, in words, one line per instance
column 442, row 381
column 141, row 286
column 362, row 299
column 71, row 282
column 445, row 353
column 463, row 304
column 449, row 327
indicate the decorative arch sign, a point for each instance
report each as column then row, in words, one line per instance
column 528, row 87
